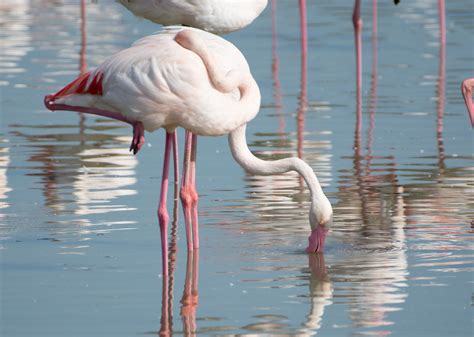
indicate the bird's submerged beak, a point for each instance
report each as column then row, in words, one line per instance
column 317, row 239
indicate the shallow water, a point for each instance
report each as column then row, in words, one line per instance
column 79, row 241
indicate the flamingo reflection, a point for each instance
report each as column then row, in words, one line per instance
column 4, row 188
column 377, row 209
column 277, row 93
column 441, row 85
column 93, row 169
column 83, row 61
column 189, row 300
column 320, row 293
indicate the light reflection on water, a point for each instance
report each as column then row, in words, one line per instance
column 77, row 209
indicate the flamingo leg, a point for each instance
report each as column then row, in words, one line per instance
column 138, row 130
column 304, row 30
column 163, row 216
column 176, row 164
column 357, row 22
column 185, row 193
column 194, row 194
column 188, row 194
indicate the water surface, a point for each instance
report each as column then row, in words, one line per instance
column 79, row 240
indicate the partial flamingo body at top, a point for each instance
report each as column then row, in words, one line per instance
column 215, row 16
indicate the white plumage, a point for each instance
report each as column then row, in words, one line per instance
column 216, row 16
column 162, row 84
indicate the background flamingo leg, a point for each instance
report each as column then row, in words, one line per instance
column 357, row 22
column 163, row 216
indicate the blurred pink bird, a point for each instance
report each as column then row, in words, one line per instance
column 466, row 89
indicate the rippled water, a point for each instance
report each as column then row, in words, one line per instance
column 79, row 241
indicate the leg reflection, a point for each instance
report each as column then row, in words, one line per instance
column 320, row 292
column 189, row 301
column 166, row 328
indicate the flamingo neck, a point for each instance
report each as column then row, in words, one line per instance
column 320, row 212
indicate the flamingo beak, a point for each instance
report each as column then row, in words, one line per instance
column 396, row 2
column 317, row 239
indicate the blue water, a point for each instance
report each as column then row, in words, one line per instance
column 79, row 240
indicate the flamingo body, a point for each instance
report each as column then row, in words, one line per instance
column 216, row 16
column 164, row 85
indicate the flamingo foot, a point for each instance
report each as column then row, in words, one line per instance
column 138, row 137
column 316, row 240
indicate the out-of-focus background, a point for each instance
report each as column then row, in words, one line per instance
column 79, row 239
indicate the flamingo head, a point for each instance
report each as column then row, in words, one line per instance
column 320, row 219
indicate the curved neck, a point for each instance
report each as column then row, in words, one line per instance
column 254, row 165
column 249, row 101
column 224, row 82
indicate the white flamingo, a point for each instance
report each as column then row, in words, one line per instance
column 185, row 77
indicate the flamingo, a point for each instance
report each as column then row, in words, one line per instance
column 189, row 78
column 215, row 16
column 466, row 89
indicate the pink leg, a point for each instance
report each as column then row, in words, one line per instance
column 188, row 194
column 185, row 194
column 175, row 161
column 317, row 239
column 304, row 31
column 275, row 66
column 357, row 22
column 194, row 195
column 82, row 55
column 466, row 88
column 163, row 216
column 138, row 129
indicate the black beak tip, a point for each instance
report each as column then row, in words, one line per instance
column 47, row 101
column 396, row 2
